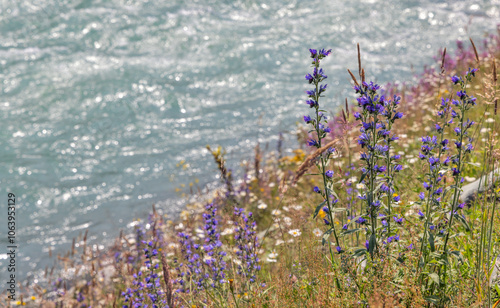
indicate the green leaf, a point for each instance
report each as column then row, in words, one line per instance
column 359, row 252
column 362, row 177
column 351, row 231
column 338, row 209
column 331, row 192
column 434, row 277
column 433, row 299
column 431, row 242
column 316, row 211
column 372, row 243
column 463, row 221
column 497, row 288
column 326, row 235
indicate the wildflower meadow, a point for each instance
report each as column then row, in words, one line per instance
column 391, row 200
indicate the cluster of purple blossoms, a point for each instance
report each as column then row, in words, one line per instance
column 377, row 116
column 247, row 243
column 319, row 130
column 434, row 151
column 147, row 290
column 204, row 264
column 319, row 121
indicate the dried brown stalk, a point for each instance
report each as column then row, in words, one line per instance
column 353, row 78
column 442, row 61
column 475, row 50
column 166, row 279
column 309, row 162
column 359, row 60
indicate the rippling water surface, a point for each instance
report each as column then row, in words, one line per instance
column 100, row 100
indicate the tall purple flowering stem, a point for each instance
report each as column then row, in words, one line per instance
column 321, row 128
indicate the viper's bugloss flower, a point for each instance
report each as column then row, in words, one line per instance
column 471, row 72
column 384, row 188
column 307, row 119
column 317, row 190
column 312, row 103
column 469, row 123
column 339, row 249
column 360, row 220
column 325, row 52
column 329, row 173
column 398, row 115
column 438, row 191
column 313, row 143
column 398, row 220
column 446, row 162
column 394, row 238
column 380, row 149
column 456, row 171
column 363, row 140
column 376, row 203
column 469, row 148
column 357, row 116
column 367, row 245
column 461, row 94
column 398, row 168
column 323, row 128
column 433, row 160
column 397, row 198
column 422, row 215
column 421, row 196
column 455, row 79
column 427, row 186
column 326, row 222
column 371, row 86
column 80, row 298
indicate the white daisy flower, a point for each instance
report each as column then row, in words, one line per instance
column 227, row 231
column 273, row 254
column 295, row 232
column 317, row 232
column 276, row 212
column 262, row 206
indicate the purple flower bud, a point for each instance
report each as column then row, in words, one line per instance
column 421, row 196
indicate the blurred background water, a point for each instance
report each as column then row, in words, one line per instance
column 102, row 101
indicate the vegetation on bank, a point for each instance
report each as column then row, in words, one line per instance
column 366, row 214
